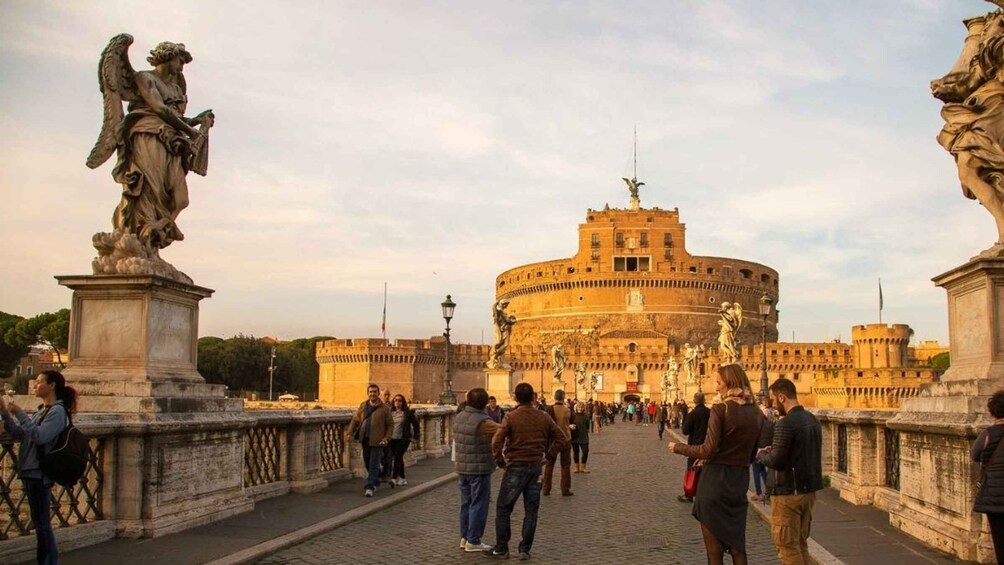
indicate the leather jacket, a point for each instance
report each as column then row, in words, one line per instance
column 796, row 454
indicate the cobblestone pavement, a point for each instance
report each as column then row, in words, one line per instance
column 625, row 511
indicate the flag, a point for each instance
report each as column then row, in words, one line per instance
column 383, row 324
column 880, row 295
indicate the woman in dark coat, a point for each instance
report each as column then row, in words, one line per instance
column 720, row 504
column 990, row 497
column 405, row 431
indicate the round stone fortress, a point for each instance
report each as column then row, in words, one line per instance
column 633, row 275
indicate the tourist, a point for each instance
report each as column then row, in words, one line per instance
column 599, row 414
column 684, row 409
column 674, row 414
column 517, row 447
column 406, row 430
column 562, row 416
column 759, row 470
column 650, row 414
column 494, row 411
column 695, row 427
column 36, row 434
column 628, row 413
column 796, row 456
column 580, row 439
column 473, row 430
column 661, row 415
column 990, row 496
column 733, row 433
column 374, row 424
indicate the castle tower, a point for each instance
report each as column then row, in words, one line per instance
column 880, row 346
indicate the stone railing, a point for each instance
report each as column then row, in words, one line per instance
column 859, row 455
column 283, row 451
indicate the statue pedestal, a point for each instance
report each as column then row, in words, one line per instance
column 178, row 449
column 134, row 346
column 937, row 479
column 498, row 383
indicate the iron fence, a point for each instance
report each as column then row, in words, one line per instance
column 892, row 459
column 842, row 448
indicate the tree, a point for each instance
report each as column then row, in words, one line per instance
column 941, row 362
column 9, row 354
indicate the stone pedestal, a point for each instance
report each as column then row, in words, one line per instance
column 178, row 449
column 134, row 345
column 498, row 383
column 937, row 427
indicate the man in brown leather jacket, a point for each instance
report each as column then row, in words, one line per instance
column 518, row 447
column 562, row 416
column 376, row 424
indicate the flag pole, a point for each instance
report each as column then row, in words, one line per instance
column 383, row 324
column 880, row 300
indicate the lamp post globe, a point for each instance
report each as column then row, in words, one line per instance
column 765, row 304
column 448, row 396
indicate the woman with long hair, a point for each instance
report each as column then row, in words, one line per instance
column 720, row 504
column 990, row 495
column 405, row 431
column 36, row 434
column 580, row 438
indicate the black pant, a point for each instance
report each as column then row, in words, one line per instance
column 520, row 479
column 585, row 452
column 997, row 533
column 386, row 462
column 398, row 447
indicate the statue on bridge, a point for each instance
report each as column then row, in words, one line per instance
column 503, row 323
column 973, row 93
column 580, row 378
column 156, row 147
column 731, row 319
column 558, row 364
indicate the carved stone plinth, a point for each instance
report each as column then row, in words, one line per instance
column 134, row 345
column 498, row 383
column 937, row 427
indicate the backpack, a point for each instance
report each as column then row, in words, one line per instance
column 66, row 462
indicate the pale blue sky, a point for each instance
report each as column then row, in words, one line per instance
column 433, row 145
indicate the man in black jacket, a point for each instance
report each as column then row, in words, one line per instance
column 796, row 455
column 695, row 427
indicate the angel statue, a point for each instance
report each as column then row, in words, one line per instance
column 558, row 362
column 633, row 185
column 156, row 147
column 731, row 319
column 671, row 374
column 580, row 378
column 973, row 93
column 503, row 329
column 689, row 362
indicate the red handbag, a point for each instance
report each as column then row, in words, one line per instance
column 690, row 480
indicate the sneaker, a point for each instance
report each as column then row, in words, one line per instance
column 524, row 556
column 369, row 492
column 463, row 543
column 392, row 482
column 402, row 481
column 498, row 552
column 472, row 547
column 682, row 498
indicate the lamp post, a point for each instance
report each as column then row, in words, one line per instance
column 699, row 357
column 448, row 397
column 765, row 304
column 543, row 358
column 271, row 371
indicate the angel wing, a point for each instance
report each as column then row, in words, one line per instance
column 738, row 314
column 117, row 81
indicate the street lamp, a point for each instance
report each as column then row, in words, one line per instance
column 271, row 372
column 765, row 304
column 448, row 397
column 699, row 358
column 543, row 358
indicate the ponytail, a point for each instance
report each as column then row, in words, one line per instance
column 63, row 392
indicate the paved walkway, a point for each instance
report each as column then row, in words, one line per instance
column 624, row 511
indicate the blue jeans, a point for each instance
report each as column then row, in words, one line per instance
column 372, row 457
column 519, row 479
column 475, row 497
column 759, row 471
column 39, row 501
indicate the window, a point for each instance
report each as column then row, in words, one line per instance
column 619, row 241
column 667, row 239
column 596, row 240
column 764, row 278
column 711, row 270
column 596, row 255
column 668, row 255
column 745, row 273
column 693, row 269
column 632, row 264
column 644, row 239
column 632, row 347
column 29, row 370
column 795, row 376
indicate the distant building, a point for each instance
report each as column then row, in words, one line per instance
column 39, row 358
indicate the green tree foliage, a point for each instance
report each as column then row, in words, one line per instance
column 941, row 361
column 9, row 354
column 18, row 334
column 241, row 363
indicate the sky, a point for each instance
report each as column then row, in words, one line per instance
column 433, row 145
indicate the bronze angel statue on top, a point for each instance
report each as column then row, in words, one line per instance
column 156, row 147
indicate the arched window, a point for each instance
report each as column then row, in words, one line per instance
column 632, row 347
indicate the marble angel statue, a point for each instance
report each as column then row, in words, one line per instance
column 558, row 363
column 731, row 319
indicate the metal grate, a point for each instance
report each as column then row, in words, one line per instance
column 332, row 446
column 442, row 430
column 892, row 459
column 842, row 448
column 261, row 455
column 79, row 504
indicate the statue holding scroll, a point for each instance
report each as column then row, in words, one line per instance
column 156, row 147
